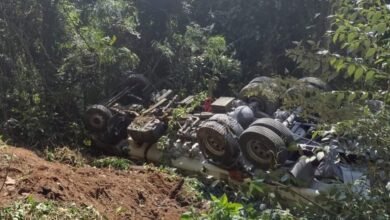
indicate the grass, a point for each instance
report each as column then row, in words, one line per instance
column 31, row 209
column 112, row 162
column 75, row 158
column 65, row 155
column 194, row 187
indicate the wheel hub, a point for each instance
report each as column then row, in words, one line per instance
column 260, row 152
column 214, row 146
column 96, row 121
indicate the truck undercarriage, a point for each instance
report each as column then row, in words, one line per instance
column 227, row 138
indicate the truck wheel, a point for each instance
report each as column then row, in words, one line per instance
column 276, row 127
column 265, row 91
column 262, row 147
column 140, row 87
column 229, row 122
column 258, row 88
column 260, row 79
column 315, row 82
column 307, row 88
column 138, row 81
column 96, row 118
column 217, row 143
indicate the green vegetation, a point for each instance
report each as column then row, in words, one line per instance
column 181, row 112
column 57, row 57
column 353, row 55
column 221, row 208
column 65, row 155
column 112, row 162
column 31, row 209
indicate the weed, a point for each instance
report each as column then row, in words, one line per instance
column 31, row 209
column 221, row 208
column 194, row 187
column 65, row 155
column 112, row 162
column 170, row 171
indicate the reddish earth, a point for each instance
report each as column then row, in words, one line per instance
column 138, row 193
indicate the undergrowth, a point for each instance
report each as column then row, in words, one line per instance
column 112, row 162
column 65, row 155
column 31, row 209
column 222, row 208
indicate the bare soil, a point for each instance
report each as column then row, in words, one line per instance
column 134, row 194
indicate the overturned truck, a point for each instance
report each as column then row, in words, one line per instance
column 228, row 138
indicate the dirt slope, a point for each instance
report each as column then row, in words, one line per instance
column 138, row 193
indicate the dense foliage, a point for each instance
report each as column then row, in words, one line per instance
column 57, row 57
column 354, row 56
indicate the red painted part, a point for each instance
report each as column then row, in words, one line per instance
column 207, row 105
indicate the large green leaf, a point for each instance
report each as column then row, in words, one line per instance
column 351, row 69
column 380, row 28
column 370, row 52
column 358, row 74
column 370, row 75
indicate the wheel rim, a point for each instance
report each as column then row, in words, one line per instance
column 260, row 152
column 214, row 146
column 96, row 121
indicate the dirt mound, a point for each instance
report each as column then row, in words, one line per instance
column 133, row 194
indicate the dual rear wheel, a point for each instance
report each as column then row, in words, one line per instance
column 263, row 144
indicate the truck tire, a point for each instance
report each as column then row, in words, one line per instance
column 217, row 143
column 277, row 127
column 264, row 91
column 262, row 147
column 228, row 121
column 315, row 82
column 140, row 88
column 307, row 87
column 260, row 79
column 96, row 118
column 256, row 88
column 138, row 81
